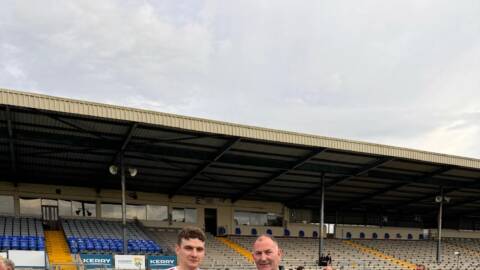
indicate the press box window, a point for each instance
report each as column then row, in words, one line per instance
column 187, row 215
column 6, row 205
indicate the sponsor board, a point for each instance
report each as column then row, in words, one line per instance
column 27, row 258
column 161, row 262
column 92, row 261
column 129, row 262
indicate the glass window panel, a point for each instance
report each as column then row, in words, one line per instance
column 250, row 218
column 241, row 218
column 301, row 215
column 30, row 207
column 64, row 208
column 90, row 209
column 77, row 209
column 157, row 212
column 274, row 219
column 178, row 215
column 6, row 204
column 82, row 209
column 136, row 212
column 111, row 210
column 49, row 202
column 190, row 215
column 258, row 219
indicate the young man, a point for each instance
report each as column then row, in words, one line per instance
column 266, row 253
column 6, row 264
column 190, row 249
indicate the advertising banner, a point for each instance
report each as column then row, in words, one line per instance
column 129, row 262
column 161, row 262
column 27, row 258
column 92, row 261
column 3, row 254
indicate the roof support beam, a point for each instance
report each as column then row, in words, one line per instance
column 204, row 167
column 13, row 161
column 126, row 141
column 174, row 139
column 77, row 127
column 280, row 173
column 461, row 203
column 414, row 179
column 432, row 195
column 356, row 201
column 59, row 151
column 471, row 212
column 359, row 172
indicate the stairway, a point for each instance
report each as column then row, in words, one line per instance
column 240, row 250
column 368, row 250
column 57, row 250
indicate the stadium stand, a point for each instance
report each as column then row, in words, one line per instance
column 257, row 180
column 99, row 236
column 21, row 233
column 424, row 252
column 466, row 244
column 304, row 252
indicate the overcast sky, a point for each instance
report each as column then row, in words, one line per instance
column 404, row 73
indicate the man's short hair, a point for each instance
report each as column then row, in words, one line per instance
column 268, row 236
column 9, row 265
column 188, row 233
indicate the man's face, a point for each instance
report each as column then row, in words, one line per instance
column 190, row 253
column 266, row 254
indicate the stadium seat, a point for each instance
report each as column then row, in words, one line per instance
column 222, row 231
column 96, row 236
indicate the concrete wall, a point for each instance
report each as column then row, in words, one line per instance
column 455, row 233
column 342, row 230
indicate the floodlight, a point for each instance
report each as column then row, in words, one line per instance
column 132, row 172
column 113, row 169
column 438, row 199
column 447, row 199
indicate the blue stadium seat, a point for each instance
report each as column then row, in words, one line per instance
column 222, row 231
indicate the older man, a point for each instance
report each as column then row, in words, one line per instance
column 266, row 253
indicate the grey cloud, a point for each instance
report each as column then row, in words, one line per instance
column 395, row 72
